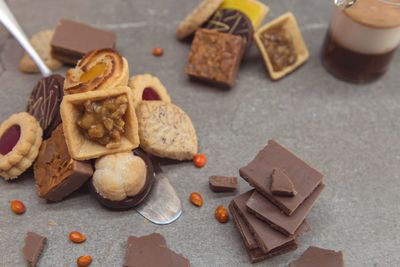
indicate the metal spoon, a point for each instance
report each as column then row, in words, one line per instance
column 343, row 4
column 9, row 21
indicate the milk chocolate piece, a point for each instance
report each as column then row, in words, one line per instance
column 268, row 212
column 223, row 183
column 57, row 175
column 215, row 57
column 281, row 184
column 44, row 103
column 72, row 40
column 152, row 251
column 317, row 257
column 33, row 248
column 259, row 171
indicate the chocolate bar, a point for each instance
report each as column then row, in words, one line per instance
column 223, row 183
column 33, row 248
column 72, row 40
column 259, row 171
column 268, row 212
column 215, row 57
column 317, row 257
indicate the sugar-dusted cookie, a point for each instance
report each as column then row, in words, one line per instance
column 20, row 140
column 197, row 17
column 166, row 131
column 146, row 87
column 41, row 43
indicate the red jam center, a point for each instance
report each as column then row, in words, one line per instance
column 150, row 94
column 9, row 139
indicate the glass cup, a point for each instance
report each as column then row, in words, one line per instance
column 362, row 40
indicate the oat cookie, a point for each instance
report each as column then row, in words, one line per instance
column 41, row 42
column 20, row 140
column 197, row 17
column 146, row 87
column 166, row 131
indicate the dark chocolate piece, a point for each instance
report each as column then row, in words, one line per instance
column 281, row 184
column 33, row 248
column 318, row 257
column 258, row 174
column 57, row 175
column 215, row 57
column 152, row 251
column 129, row 202
column 233, row 22
column 267, row 238
column 72, row 40
column 223, row 183
column 268, row 212
column 44, row 103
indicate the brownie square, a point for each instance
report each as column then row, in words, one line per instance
column 215, row 57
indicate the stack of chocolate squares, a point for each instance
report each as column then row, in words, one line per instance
column 272, row 216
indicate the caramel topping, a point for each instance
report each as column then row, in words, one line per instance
column 102, row 121
column 97, row 70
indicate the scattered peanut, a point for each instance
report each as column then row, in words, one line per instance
column 17, row 207
column 158, row 52
column 77, row 237
column 196, row 199
column 84, row 261
column 221, row 214
column 200, row 160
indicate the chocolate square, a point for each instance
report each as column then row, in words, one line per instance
column 215, row 57
column 258, row 174
column 33, row 248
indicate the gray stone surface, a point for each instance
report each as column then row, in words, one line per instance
column 349, row 132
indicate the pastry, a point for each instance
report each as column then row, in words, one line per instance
column 41, row 43
column 57, row 175
column 44, row 103
column 255, row 10
column 20, row 140
column 123, row 180
column 197, row 17
column 98, row 70
column 99, row 123
column 166, row 131
column 282, row 46
column 146, row 87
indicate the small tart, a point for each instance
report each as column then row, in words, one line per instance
column 79, row 145
column 18, row 157
column 98, row 70
column 146, row 87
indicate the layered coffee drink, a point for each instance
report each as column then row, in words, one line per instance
column 362, row 40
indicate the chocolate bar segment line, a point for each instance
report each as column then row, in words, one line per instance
column 258, row 174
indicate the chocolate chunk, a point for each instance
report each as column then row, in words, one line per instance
column 33, row 248
column 317, row 257
column 57, row 175
column 223, row 183
column 233, row 22
column 152, row 251
column 281, row 184
column 215, row 57
column 268, row 212
column 72, row 40
column 129, row 202
column 44, row 103
column 258, row 173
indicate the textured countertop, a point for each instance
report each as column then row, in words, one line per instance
column 349, row 132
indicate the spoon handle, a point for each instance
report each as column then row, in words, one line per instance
column 9, row 21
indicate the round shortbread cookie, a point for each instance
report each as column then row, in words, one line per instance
column 146, row 87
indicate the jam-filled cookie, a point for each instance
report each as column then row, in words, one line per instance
column 98, row 70
column 20, row 140
column 146, row 87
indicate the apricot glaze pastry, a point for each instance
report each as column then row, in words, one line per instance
column 98, row 70
column 146, row 87
column 99, row 123
column 20, row 140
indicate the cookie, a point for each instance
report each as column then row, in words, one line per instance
column 146, row 87
column 44, row 103
column 41, row 43
column 123, row 180
column 197, row 17
column 98, row 70
column 166, row 131
column 20, row 140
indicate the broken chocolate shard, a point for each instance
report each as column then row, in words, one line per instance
column 317, row 257
column 281, row 184
column 223, row 183
column 33, row 248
